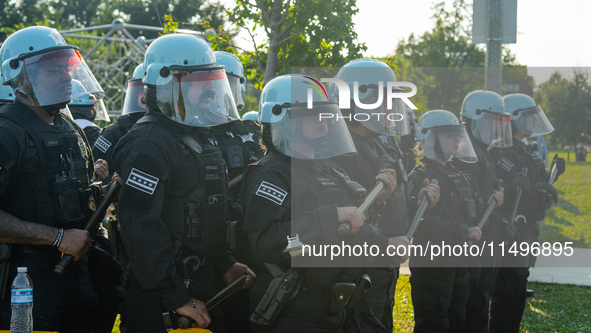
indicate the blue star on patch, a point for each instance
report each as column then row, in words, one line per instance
column 271, row 192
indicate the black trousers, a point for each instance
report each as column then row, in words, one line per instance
column 510, row 283
column 64, row 303
column 439, row 297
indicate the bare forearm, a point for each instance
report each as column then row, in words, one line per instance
column 16, row 231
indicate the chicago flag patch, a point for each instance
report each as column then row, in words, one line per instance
column 506, row 164
column 142, row 181
column 271, row 192
column 102, row 144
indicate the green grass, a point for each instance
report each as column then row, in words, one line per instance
column 557, row 308
column 570, row 218
column 554, row 308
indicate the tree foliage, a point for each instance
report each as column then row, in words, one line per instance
column 567, row 103
column 300, row 33
column 444, row 63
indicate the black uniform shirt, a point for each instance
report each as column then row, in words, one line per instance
column 160, row 175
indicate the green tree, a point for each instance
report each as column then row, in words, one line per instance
column 444, row 63
column 300, row 33
column 567, row 104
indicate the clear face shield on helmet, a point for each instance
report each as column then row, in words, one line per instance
column 199, row 99
column 134, row 98
column 532, row 121
column 447, row 142
column 316, row 133
column 378, row 113
column 238, row 90
column 492, row 129
column 46, row 77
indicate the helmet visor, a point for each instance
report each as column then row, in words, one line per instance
column 378, row 113
column 199, row 99
column 46, row 78
column 134, row 95
column 532, row 121
column 238, row 91
column 493, row 129
column 447, row 142
column 315, row 133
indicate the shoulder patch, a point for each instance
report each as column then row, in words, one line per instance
column 102, row 144
column 142, row 181
column 271, row 192
column 505, row 164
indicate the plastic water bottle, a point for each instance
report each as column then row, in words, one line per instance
column 21, row 302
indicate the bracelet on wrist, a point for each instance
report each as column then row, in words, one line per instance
column 58, row 238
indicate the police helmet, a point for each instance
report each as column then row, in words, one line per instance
column 235, row 73
column 39, row 66
column 86, row 105
column 527, row 117
column 303, row 122
column 251, row 115
column 134, row 94
column 442, row 137
column 484, row 114
column 367, row 82
column 190, row 87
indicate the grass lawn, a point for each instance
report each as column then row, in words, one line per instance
column 570, row 218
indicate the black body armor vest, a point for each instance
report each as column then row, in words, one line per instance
column 56, row 192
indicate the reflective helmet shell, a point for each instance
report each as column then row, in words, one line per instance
column 251, row 115
column 287, row 89
column 478, row 101
column 174, row 50
column 27, row 41
column 433, row 119
column 236, row 77
column 363, row 77
column 515, row 102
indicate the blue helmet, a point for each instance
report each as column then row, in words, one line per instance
column 442, row 137
column 236, row 77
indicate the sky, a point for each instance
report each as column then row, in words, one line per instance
column 549, row 33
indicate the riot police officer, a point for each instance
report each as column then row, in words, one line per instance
column 85, row 109
column 238, row 142
column 488, row 125
column 440, row 285
column 373, row 158
column 45, row 171
column 134, row 107
column 172, row 206
column 296, row 190
column 520, row 166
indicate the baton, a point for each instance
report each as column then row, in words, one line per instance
column 185, row 322
column 415, row 222
column 487, row 213
column 94, row 220
column 419, row 214
column 345, row 227
column 554, row 172
column 518, row 193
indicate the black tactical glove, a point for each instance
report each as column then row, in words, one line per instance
column 538, row 198
column 560, row 166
